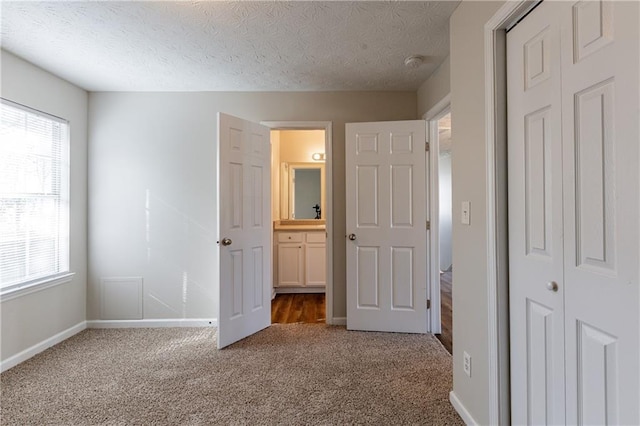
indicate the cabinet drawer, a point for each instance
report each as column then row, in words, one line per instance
column 316, row 237
column 290, row 237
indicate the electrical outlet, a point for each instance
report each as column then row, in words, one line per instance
column 466, row 365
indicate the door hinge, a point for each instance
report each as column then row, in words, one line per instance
column 428, row 225
column 426, row 146
column 428, row 303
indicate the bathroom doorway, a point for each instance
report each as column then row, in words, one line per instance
column 300, row 188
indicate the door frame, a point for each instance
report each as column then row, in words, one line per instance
column 328, row 173
column 439, row 110
column 495, row 62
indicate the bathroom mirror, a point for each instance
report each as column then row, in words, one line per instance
column 302, row 191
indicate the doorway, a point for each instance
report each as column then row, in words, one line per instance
column 301, row 222
column 444, row 244
column 440, row 207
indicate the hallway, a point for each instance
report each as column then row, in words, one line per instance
column 446, row 310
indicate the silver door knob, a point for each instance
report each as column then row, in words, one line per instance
column 552, row 286
column 226, row 241
column 352, row 237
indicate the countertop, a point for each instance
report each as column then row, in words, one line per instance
column 299, row 227
column 304, row 225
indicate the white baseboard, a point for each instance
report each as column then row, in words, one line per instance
column 39, row 347
column 338, row 321
column 153, row 323
column 467, row 418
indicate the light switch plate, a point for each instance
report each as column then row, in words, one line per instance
column 466, row 213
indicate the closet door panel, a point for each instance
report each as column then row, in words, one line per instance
column 601, row 216
column 535, row 218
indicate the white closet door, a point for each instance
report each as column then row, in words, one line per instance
column 601, row 158
column 595, row 174
column 535, row 219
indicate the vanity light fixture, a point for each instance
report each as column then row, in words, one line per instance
column 318, row 156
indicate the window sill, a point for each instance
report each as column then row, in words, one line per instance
column 32, row 287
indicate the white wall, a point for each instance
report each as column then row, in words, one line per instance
column 33, row 318
column 470, row 313
column 435, row 88
column 297, row 146
column 152, row 209
column 470, row 324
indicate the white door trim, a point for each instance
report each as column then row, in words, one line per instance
column 432, row 116
column 438, row 108
column 497, row 244
column 328, row 168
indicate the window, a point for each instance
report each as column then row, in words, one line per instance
column 34, row 197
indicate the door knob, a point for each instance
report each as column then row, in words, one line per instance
column 552, row 286
column 226, row 241
column 352, row 237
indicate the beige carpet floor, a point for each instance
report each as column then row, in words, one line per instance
column 286, row 374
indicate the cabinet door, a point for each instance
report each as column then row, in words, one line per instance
column 290, row 265
column 316, row 261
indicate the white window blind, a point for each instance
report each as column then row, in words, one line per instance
column 34, row 196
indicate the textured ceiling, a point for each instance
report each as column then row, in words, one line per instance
column 230, row 46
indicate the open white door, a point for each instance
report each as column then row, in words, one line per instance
column 244, row 170
column 386, row 226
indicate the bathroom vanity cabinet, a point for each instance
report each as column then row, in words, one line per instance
column 300, row 259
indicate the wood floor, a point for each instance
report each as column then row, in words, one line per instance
column 298, row 308
column 446, row 311
column 310, row 309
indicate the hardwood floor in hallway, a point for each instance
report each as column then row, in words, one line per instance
column 298, row 308
column 310, row 309
column 446, row 311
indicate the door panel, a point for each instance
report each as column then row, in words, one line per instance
column 367, row 282
column 594, row 180
column 537, row 153
column 601, row 215
column 367, row 190
column 599, row 376
column 386, row 213
column 244, row 229
column 540, row 343
column 402, row 282
column 258, row 277
column 535, row 219
column 401, row 196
